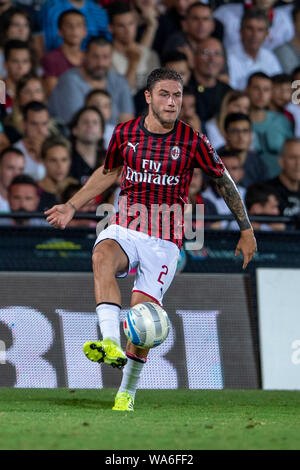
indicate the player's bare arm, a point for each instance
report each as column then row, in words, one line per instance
column 60, row 215
column 229, row 192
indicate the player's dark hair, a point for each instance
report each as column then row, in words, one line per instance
column 35, row 106
column 234, row 117
column 10, row 149
column 98, row 41
column 160, row 74
column 15, row 44
column 96, row 91
column 262, row 75
column 296, row 11
column 64, row 14
column 281, row 78
column 118, row 8
column 23, row 179
column 54, row 141
column 173, row 56
column 258, row 193
column 196, row 5
column 255, row 13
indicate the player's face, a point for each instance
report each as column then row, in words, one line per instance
column 254, row 33
column 238, row 135
column 37, row 124
column 182, row 68
column 73, row 29
column 200, row 23
column 103, row 103
column 124, row 27
column 165, row 101
column 11, row 165
column 260, row 92
column 241, row 105
column 19, row 28
column 18, row 64
column 290, row 161
column 57, row 163
column 23, row 197
column 89, row 128
column 32, row 91
column 281, row 94
column 97, row 61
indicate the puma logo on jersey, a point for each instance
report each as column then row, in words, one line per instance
column 133, row 146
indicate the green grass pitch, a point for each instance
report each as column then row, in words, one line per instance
column 163, row 419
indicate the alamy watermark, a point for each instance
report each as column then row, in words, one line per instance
column 296, row 93
column 2, row 352
column 2, row 92
column 173, row 222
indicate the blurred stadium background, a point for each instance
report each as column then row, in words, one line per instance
column 229, row 370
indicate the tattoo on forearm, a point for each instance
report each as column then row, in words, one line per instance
column 231, row 196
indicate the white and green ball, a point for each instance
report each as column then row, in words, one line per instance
column 146, row 325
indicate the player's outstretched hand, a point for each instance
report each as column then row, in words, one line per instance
column 246, row 245
column 59, row 216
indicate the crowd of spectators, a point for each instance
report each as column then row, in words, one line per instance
column 73, row 69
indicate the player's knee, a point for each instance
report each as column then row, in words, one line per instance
column 102, row 259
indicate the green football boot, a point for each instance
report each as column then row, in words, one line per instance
column 123, row 402
column 106, row 351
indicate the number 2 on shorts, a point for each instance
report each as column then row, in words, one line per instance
column 164, row 272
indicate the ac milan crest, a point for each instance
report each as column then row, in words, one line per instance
column 175, row 152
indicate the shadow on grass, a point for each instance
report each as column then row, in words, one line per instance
column 74, row 403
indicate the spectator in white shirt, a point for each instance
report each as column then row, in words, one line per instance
column 288, row 53
column 248, row 57
column 281, row 26
column 12, row 163
column 36, row 129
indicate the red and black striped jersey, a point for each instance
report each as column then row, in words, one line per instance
column 157, row 170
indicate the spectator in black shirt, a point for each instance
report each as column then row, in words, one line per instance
column 209, row 90
column 88, row 152
column 287, row 183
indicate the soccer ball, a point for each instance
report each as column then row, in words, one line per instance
column 146, row 325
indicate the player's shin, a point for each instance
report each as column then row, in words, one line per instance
column 109, row 320
column 133, row 369
column 131, row 374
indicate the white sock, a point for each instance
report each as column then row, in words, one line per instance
column 131, row 375
column 109, row 321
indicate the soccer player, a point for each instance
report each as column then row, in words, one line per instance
column 156, row 155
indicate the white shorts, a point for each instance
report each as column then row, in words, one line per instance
column 155, row 259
